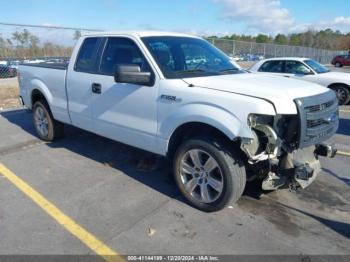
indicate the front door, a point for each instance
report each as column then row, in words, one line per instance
column 120, row 111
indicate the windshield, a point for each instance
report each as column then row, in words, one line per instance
column 317, row 67
column 181, row 57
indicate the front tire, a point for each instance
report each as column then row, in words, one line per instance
column 343, row 94
column 209, row 174
column 47, row 128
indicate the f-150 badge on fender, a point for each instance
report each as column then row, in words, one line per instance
column 170, row 98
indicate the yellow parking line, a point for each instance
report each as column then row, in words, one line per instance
column 342, row 153
column 69, row 224
column 344, row 111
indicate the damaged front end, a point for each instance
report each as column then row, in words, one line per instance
column 285, row 150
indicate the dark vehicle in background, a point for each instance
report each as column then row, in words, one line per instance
column 341, row 60
column 7, row 71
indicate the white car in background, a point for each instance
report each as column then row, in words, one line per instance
column 308, row 70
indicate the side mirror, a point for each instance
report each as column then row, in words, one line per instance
column 132, row 74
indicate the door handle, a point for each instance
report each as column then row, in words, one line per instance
column 96, row 88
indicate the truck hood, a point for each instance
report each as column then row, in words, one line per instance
column 278, row 90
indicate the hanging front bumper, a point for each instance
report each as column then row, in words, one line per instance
column 298, row 169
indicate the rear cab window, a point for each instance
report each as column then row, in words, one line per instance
column 87, row 59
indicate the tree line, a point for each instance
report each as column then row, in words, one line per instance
column 24, row 44
column 323, row 39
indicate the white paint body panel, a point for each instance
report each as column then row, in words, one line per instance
column 51, row 83
column 141, row 116
column 280, row 92
column 329, row 78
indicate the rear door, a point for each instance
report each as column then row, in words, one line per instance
column 79, row 83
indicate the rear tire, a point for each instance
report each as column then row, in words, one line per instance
column 338, row 64
column 47, row 128
column 209, row 174
column 343, row 94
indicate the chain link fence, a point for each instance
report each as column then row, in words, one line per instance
column 250, row 51
column 35, row 44
column 52, row 44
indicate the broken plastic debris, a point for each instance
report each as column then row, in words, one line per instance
column 151, row 231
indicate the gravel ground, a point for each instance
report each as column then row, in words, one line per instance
column 9, row 93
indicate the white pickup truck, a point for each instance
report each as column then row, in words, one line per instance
column 178, row 96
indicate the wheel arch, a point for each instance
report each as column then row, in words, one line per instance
column 193, row 129
column 36, row 95
column 339, row 84
column 39, row 91
column 203, row 118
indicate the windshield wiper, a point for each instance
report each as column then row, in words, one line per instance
column 191, row 71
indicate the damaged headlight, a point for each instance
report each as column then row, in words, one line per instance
column 255, row 119
column 265, row 143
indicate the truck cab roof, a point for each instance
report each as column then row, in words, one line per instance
column 139, row 34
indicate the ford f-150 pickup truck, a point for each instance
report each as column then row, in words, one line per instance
column 178, row 96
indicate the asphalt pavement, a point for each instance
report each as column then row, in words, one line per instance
column 132, row 206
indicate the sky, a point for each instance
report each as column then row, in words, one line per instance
column 201, row 17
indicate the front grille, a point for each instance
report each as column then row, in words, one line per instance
column 315, row 123
column 320, row 107
column 318, row 116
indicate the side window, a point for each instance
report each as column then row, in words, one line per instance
column 272, row 67
column 86, row 60
column 122, row 51
column 297, row 68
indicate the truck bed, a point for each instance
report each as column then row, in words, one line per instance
column 59, row 66
column 50, row 80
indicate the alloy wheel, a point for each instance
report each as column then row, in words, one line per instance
column 41, row 122
column 201, row 176
column 342, row 95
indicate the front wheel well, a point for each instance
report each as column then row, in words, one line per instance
column 194, row 129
